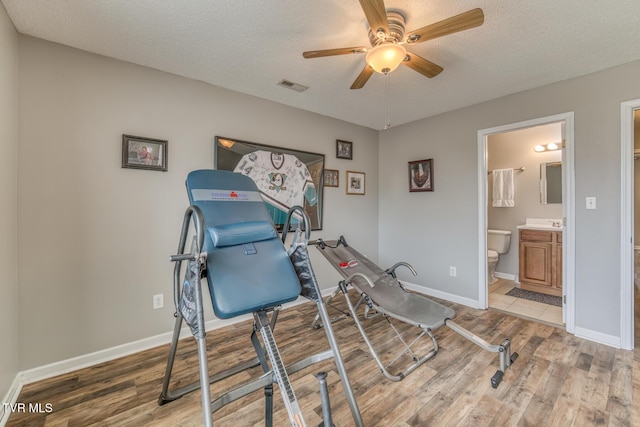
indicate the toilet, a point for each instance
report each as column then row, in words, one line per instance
column 498, row 242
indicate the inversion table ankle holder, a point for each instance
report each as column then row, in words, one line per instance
column 380, row 291
column 248, row 270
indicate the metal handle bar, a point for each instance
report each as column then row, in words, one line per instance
column 392, row 270
column 183, row 257
column 305, row 217
column 195, row 213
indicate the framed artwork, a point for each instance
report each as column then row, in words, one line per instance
column 284, row 176
column 421, row 175
column 331, row 178
column 355, row 183
column 344, row 149
column 144, row 153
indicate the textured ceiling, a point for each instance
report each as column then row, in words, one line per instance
column 250, row 45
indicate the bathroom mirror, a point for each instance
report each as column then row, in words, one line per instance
column 550, row 183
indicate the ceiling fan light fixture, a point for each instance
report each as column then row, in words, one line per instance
column 386, row 57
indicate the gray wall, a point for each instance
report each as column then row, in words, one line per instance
column 436, row 230
column 10, row 331
column 95, row 238
column 513, row 150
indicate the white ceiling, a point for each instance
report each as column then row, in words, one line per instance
column 250, row 45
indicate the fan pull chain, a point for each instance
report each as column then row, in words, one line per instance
column 387, row 120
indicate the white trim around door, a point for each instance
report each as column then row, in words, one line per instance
column 568, row 205
column 626, row 224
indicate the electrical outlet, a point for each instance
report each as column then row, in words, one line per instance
column 158, row 301
column 452, row 271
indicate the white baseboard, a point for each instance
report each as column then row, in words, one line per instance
column 442, row 295
column 598, row 337
column 11, row 398
column 65, row 366
column 68, row 365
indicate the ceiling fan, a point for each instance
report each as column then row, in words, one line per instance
column 389, row 43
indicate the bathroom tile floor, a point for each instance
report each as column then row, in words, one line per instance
column 533, row 310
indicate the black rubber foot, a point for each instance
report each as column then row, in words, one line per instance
column 514, row 356
column 497, row 379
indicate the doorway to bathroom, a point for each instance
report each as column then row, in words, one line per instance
column 533, row 277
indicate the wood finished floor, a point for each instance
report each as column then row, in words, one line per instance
column 558, row 380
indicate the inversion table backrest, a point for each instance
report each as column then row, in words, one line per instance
column 386, row 294
column 247, row 265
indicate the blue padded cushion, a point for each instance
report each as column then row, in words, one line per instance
column 241, row 232
column 240, row 283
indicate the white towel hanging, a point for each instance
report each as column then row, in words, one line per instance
column 503, row 188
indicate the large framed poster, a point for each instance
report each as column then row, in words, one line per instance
column 285, row 177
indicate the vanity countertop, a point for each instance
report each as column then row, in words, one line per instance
column 541, row 224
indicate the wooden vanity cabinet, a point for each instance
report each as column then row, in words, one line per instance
column 541, row 261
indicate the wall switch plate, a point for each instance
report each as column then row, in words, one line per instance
column 591, row 202
column 452, row 271
column 158, row 301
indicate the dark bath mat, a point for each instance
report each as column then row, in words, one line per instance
column 536, row 296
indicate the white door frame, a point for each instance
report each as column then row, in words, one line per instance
column 568, row 207
column 626, row 224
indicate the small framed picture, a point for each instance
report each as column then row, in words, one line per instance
column 344, row 149
column 331, row 178
column 421, row 175
column 355, row 183
column 144, row 153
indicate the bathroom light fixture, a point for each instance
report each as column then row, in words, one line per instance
column 549, row 147
column 386, row 57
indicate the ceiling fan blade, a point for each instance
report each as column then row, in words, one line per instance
column 376, row 15
column 333, row 52
column 362, row 78
column 464, row 21
column 421, row 65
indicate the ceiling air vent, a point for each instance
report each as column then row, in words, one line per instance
column 293, row 86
